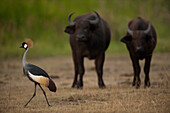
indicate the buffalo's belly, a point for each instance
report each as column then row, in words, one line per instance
column 141, row 56
column 91, row 54
column 91, row 57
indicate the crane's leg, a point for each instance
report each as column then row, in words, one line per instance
column 32, row 96
column 44, row 95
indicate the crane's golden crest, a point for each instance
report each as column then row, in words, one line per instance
column 29, row 42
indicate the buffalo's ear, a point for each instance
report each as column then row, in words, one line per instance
column 70, row 29
column 126, row 39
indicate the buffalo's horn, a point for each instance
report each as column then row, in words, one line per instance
column 129, row 31
column 69, row 19
column 148, row 29
column 97, row 20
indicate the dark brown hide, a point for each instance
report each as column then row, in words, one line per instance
column 89, row 37
column 140, row 40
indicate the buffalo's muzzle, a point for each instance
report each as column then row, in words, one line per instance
column 139, row 49
column 81, row 37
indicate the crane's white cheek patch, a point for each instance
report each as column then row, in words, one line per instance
column 40, row 79
column 25, row 45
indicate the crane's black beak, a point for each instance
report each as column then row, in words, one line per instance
column 23, row 44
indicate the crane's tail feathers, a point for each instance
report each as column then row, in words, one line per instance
column 52, row 86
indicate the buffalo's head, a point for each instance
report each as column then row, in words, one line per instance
column 138, row 39
column 82, row 28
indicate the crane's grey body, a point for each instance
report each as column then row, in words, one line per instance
column 36, row 75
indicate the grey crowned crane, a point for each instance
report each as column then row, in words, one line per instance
column 35, row 73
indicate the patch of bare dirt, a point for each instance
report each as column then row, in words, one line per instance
column 119, row 95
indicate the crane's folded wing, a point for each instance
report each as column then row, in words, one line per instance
column 35, row 70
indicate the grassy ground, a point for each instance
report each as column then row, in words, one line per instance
column 44, row 21
column 118, row 97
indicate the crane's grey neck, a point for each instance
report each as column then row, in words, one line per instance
column 24, row 61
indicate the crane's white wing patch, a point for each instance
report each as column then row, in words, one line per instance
column 40, row 79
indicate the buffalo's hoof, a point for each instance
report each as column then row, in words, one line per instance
column 74, row 84
column 147, row 84
column 138, row 85
column 133, row 84
column 80, row 85
column 101, row 84
column 102, row 87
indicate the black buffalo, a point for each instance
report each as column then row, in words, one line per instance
column 89, row 37
column 140, row 40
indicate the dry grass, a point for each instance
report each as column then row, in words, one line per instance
column 119, row 96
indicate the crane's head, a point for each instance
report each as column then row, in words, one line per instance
column 26, row 44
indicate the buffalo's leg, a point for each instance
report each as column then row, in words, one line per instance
column 81, row 72
column 134, row 80
column 146, row 70
column 75, row 70
column 136, row 68
column 99, row 61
